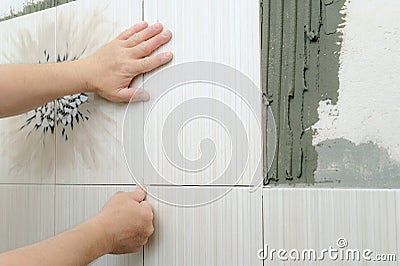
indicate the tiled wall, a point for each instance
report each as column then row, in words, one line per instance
column 318, row 219
column 49, row 184
column 59, row 179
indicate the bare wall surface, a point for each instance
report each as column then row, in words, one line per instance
column 330, row 76
column 14, row 8
column 357, row 134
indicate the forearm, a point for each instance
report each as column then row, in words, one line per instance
column 25, row 87
column 79, row 246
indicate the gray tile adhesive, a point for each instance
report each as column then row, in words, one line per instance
column 300, row 64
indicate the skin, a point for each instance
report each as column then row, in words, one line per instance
column 123, row 226
column 108, row 72
column 126, row 221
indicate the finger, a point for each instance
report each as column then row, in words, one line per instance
column 144, row 35
column 136, row 250
column 133, row 95
column 147, row 47
column 138, row 195
column 125, row 35
column 149, row 230
column 146, row 207
column 149, row 63
column 144, row 242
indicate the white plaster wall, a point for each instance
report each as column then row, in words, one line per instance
column 15, row 5
column 368, row 107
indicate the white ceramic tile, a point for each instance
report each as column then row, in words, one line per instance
column 93, row 152
column 26, row 215
column 27, row 154
column 76, row 204
column 226, row 32
column 316, row 218
column 227, row 231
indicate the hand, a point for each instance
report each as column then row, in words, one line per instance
column 111, row 69
column 127, row 220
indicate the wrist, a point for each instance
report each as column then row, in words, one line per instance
column 82, row 72
column 98, row 228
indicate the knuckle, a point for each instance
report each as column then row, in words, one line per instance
column 161, row 59
column 135, row 38
column 114, row 99
column 136, row 250
column 144, row 47
column 145, row 63
column 150, row 231
column 124, row 53
column 148, row 215
column 126, row 68
column 126, row 33
column 117, row 196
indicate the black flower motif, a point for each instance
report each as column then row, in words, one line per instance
column 63, row 112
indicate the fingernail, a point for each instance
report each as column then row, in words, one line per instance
column 140, row 189
column 141, row 96
column 166, row 33
column 142, row 23
column 167, row 56
column 157, row 26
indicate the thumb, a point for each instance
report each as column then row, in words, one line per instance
column 133, row 95
column 139, row 194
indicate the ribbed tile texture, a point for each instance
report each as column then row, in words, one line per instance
column 76, row 204
column 26, row 215
column 227, row 231
column 316, row 218
column 27, row 155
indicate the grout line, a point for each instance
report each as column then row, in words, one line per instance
column 156, row 185
column 27, row 184
column 143, row 118
column 262, row 224
column 55, row 133
column 279, row 187
column 142, row 13
column 142, row 77
column 197, row 185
